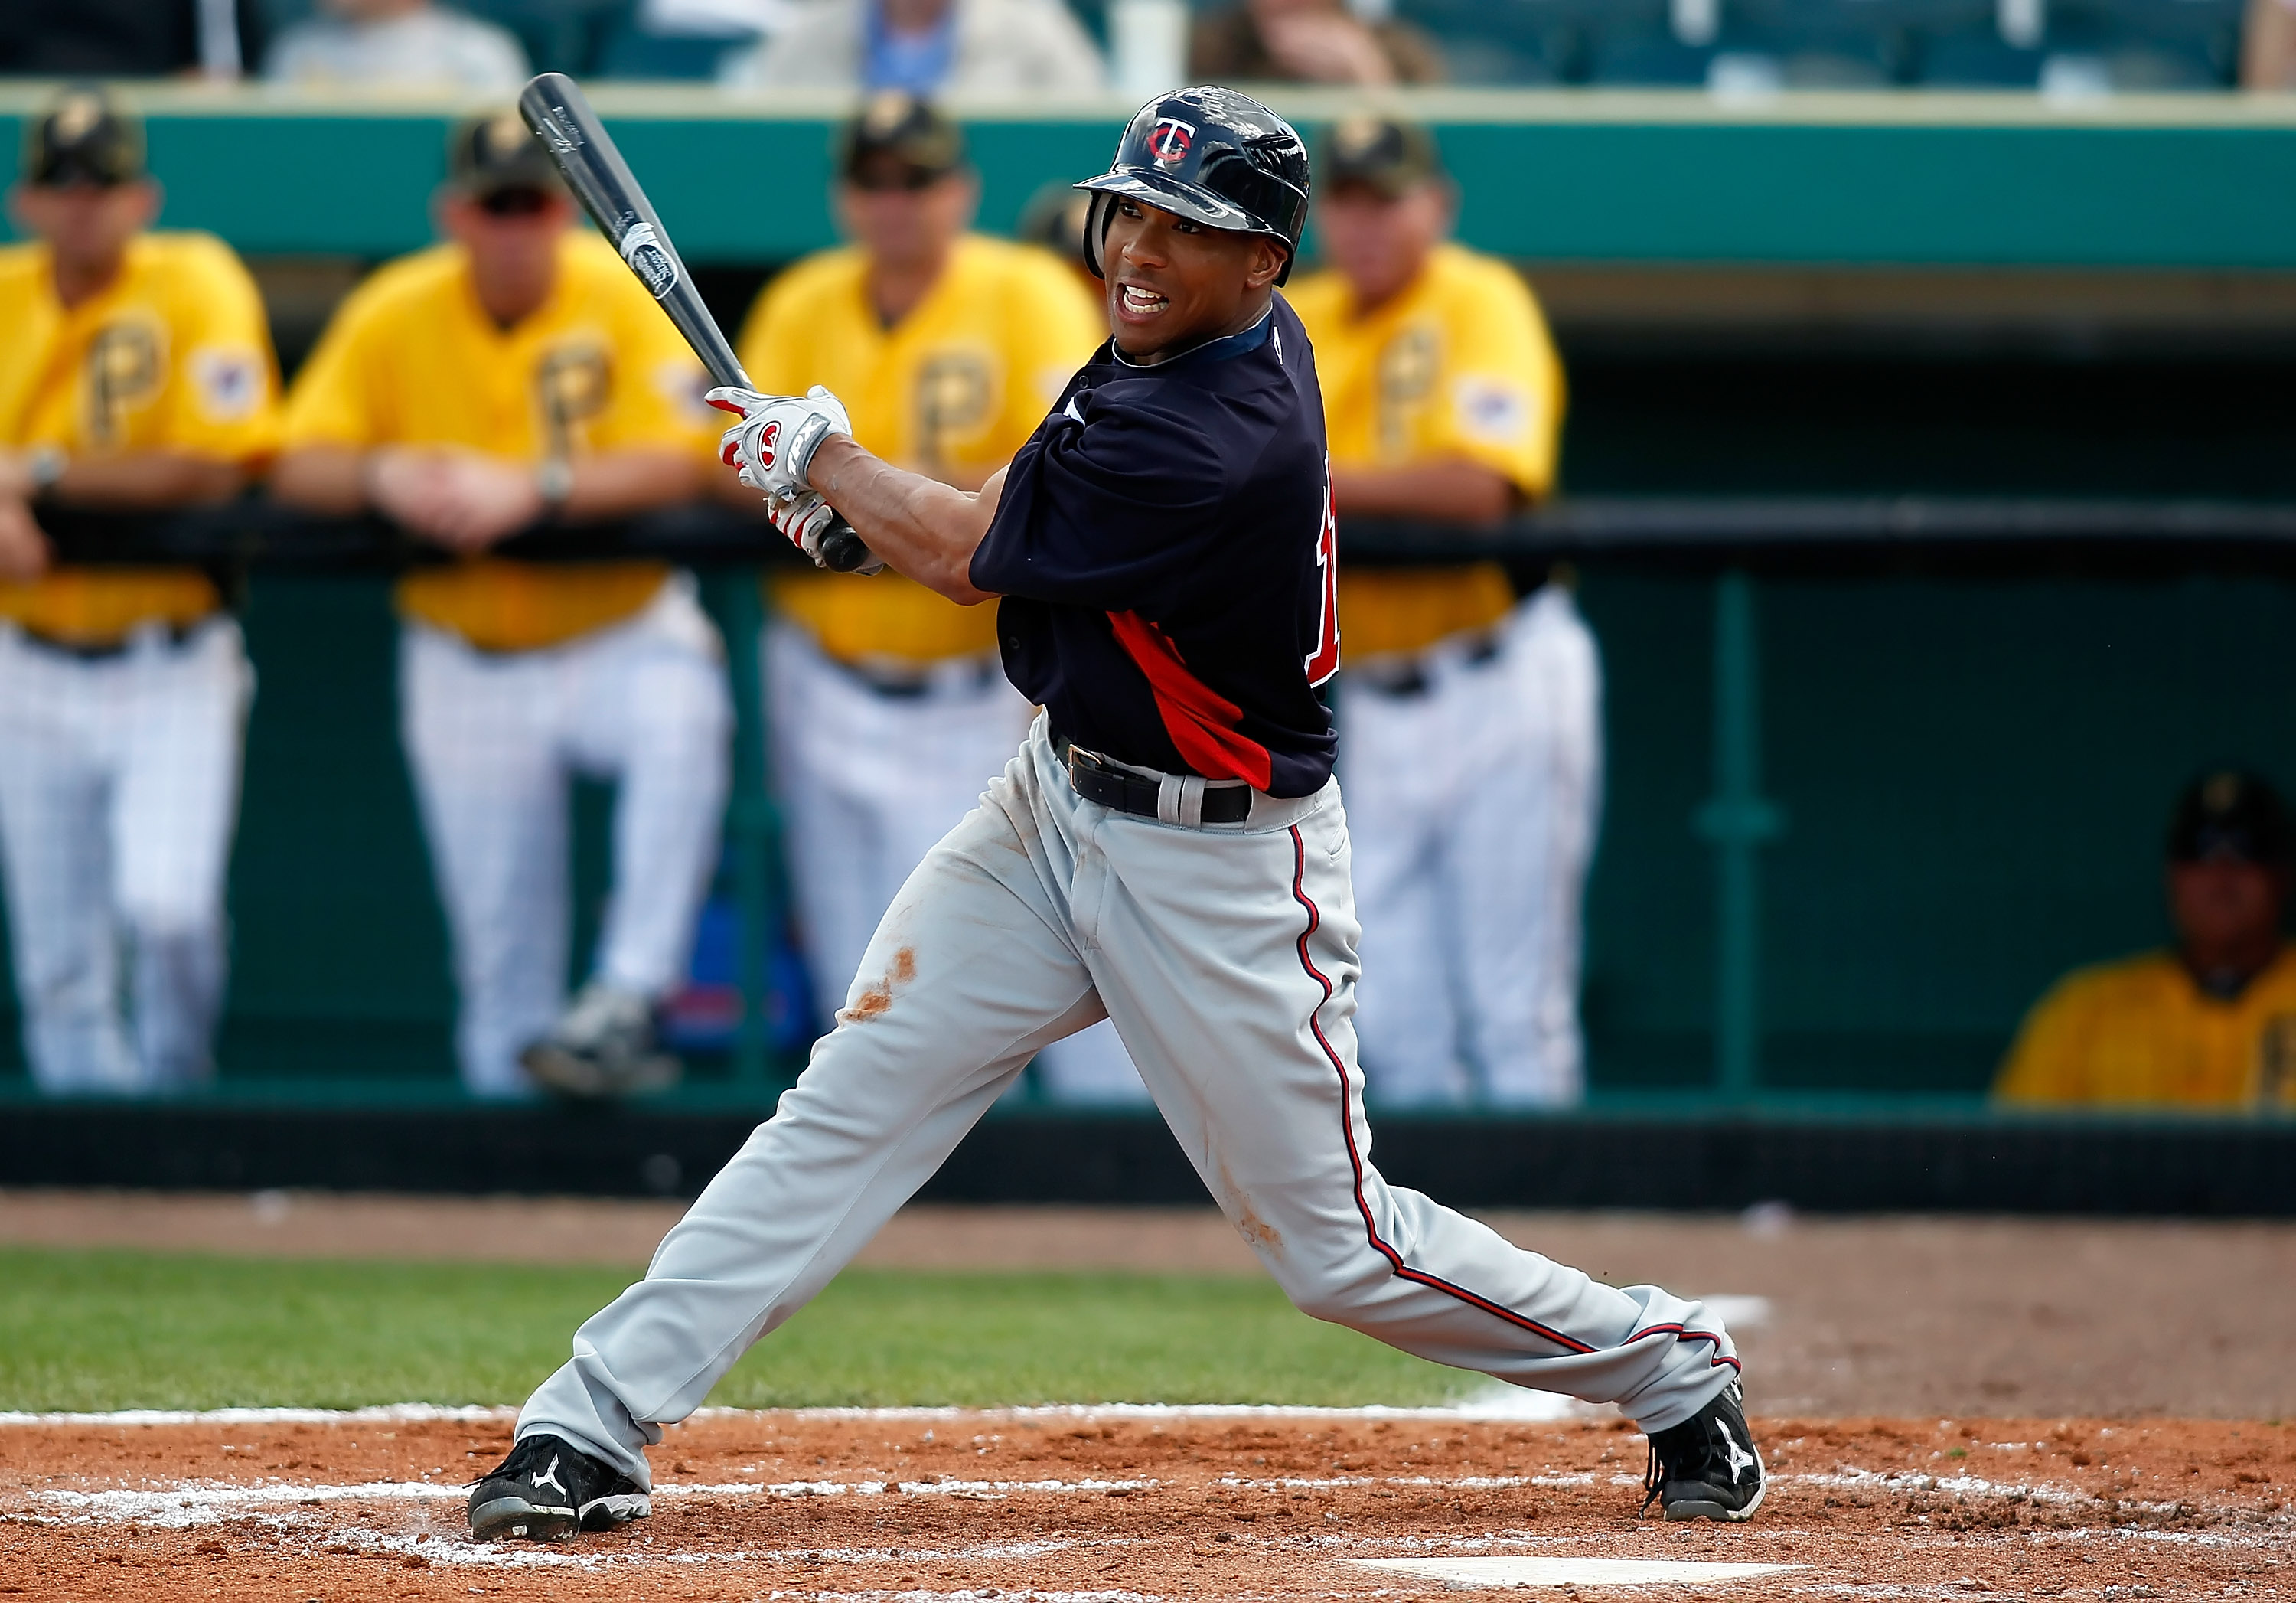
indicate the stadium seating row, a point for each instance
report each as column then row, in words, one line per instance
column 2065, row 45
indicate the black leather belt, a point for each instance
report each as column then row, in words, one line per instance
column 905, row 684
column 104, row 651
column 1096, row 779
column 1408, row 676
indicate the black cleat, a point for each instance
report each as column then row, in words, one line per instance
column 547, row 1490
column 602, row 1047
column 1707, row 1467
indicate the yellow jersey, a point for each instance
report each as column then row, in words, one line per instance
column 2141, row 1033
column 173, row 355
column 952, row 390
column 411, row 359
column 1458, row 363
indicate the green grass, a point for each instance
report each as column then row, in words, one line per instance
column 85, row 1330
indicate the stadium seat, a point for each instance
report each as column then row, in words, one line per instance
column 559, row 35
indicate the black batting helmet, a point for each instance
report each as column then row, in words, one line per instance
column 1219, row 158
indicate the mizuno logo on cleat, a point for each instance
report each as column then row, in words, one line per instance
column 1740, row 1459
column 549, row 1478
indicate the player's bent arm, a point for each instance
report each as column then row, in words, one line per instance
column 329, row 480
column 1452, row 490
column 133, row 481
column 633, row 479
column 921, row 528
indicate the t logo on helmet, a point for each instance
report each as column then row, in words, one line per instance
column 1170, row 138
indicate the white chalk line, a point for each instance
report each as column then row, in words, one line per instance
column 1498, row 1402
column 1459, row 1575
column 179, row 1505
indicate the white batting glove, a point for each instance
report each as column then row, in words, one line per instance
column 802, row 520
column 774, row 443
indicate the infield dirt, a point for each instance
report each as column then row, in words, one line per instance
column 1075, row 1507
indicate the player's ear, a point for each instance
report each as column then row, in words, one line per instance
column 154, row 198
column 1266, row 261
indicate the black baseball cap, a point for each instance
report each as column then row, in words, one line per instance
column 1388, row 155
column 2230, row 813
column 84, row 138
column 497, row 151
column 900, row 136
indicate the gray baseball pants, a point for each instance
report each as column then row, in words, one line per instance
column 1226, row 957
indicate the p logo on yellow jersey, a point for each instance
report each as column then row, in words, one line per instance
column 125, row 364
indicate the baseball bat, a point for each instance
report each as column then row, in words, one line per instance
column 555, row 108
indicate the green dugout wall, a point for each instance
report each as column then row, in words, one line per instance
column 1970, row 772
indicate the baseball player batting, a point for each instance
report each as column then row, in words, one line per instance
column 1167, row 849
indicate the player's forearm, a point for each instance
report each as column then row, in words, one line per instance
column 1452, row 491
column 923, row 528
column 330, row 480
column 148, row 479
column 615, row 484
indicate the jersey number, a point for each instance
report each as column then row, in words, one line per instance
column 1324, row 661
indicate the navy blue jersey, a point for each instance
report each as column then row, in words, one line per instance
column 1164, row 550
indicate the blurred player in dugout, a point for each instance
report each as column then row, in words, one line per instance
column 513, row 374
column 2211, row 1022
column 135, row 373
column 889, row 710
column 1470, row 739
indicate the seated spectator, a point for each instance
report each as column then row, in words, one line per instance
column 397, row 44
column 1308, row 42
column 2267, row 46
column 2212, row 1023
column 925, row 48
column 515, row 373
column 138, row 374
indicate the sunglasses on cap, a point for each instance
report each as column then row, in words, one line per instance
column 514, row 200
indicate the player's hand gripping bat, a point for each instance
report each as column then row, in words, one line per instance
column 584, row 152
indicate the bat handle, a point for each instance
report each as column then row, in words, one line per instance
column 842, row 549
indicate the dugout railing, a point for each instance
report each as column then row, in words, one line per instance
column 1730, row 546
column 1727, row 1134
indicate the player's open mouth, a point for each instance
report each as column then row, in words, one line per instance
column 1136, row 302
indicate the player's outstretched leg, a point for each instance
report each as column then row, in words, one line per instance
column 547, row 1489
column 970, row 974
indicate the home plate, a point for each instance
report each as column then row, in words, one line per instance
column 1460, row 1575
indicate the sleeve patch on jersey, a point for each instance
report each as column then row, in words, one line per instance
column 1492, row 411
column 229, row 381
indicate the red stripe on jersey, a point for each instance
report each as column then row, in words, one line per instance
column 1199, row 719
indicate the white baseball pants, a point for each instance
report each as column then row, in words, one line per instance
column 1473, row 807
column 118, row 787
column 1226, row 957
column 869, row 783
column 494, row 740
